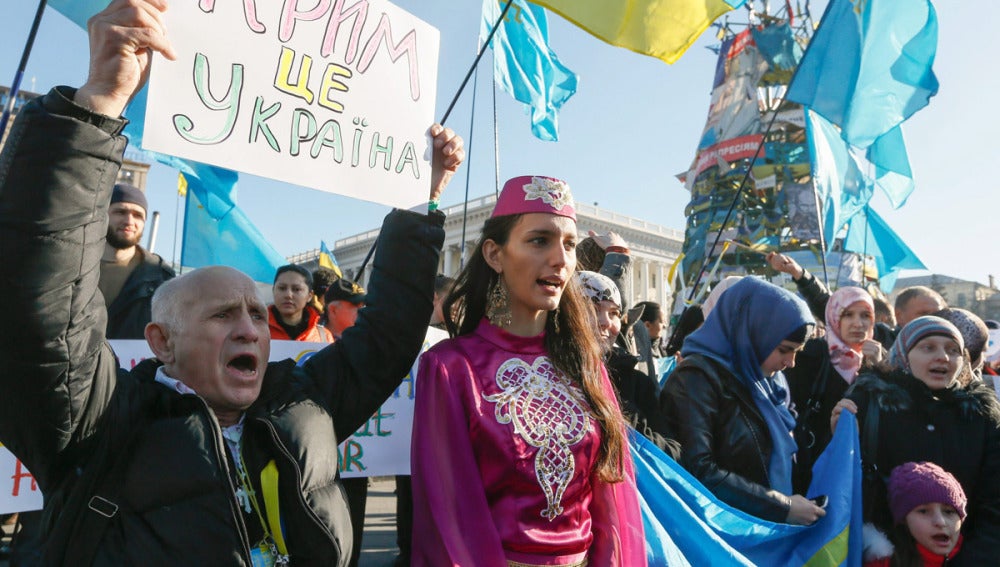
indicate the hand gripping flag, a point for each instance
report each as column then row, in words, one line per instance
column 685, row 524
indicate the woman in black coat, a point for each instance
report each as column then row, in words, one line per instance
column 825, row 369
column 920, row 411
column 723, row 403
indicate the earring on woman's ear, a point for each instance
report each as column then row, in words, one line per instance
column 498, row 304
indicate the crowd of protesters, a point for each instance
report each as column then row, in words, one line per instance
column 209, row 454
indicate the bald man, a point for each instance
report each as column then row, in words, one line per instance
column 208, row 454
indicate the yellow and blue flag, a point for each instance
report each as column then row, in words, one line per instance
column 326, row 259
column 686, row 524
column 664, row 29
column 525, row 66
column 869, row 66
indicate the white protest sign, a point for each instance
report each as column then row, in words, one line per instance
column 18, row 490
column 312, row 92
column 381, row 447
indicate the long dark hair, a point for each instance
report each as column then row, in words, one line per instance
column 573, row 349
column 904, row 553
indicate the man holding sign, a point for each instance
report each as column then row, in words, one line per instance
column 207, row 455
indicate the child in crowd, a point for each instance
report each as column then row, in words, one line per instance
column 928, row 508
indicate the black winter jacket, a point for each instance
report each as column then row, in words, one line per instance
column 815, row 387
column 638, row 397
column 956, row 428
column 84, row 427
column 724, row 440
column 129, row 313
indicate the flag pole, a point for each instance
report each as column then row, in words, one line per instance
column 732, row 206
column 468, row 172
column 451, row 106
column 15, row 87
column 729, row 213
column 822, row 234
column 475, row 63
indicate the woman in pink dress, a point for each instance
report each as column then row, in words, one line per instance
column 519, row 455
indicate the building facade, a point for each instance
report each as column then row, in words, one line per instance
column 983, row 300
column 654, row 248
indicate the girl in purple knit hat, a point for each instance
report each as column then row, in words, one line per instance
column 928, row 508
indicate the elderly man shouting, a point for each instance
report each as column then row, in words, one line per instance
column 207, row 455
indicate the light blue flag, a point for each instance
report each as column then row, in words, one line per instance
column 868, row 233
column 525, row 67
column 220, row 233
column 686, row 524
column 869, row 66
column 846, row 176
column 78, row 11
column 227, row 239
column 842, row 186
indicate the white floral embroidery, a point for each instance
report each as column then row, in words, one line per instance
column 554, row 193
column 548, row 412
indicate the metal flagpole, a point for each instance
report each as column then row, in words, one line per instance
column 468, row 171
column 447, row 113
column 16, row 85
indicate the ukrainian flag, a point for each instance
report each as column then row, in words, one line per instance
column 686, row 524
column 664, row 29
column 326, row 259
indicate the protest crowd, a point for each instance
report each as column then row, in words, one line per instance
column 526, row 419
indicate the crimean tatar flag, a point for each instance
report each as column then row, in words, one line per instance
column 664, row 29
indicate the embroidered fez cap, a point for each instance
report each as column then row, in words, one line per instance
column 535, row 194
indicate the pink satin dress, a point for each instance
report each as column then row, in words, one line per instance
column 503, row 455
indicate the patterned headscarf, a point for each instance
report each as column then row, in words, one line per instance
column 916, row 331
column 846, row 360
column 974, row 331
column 599, row 287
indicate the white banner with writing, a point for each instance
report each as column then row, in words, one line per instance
column 380, row 447
column 327, row 96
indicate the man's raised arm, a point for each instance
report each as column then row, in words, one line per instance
column 56, row 174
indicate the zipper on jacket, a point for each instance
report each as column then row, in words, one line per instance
column 219, row 445
column 298, row 481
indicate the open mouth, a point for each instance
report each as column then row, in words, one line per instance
column 941, row 539
column 244, row 364
column 551, row 284
column 941, row 373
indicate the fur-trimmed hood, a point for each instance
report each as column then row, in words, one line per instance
column 875, row 544
column 897, row 391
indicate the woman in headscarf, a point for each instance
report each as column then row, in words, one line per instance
column 519, row 454
column 826, row 368
column 636, row 390
column 917, row 409
column 723, row 404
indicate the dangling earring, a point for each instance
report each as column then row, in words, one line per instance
column 555, row 320
column 498, row 304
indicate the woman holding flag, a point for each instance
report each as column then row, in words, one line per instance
column 725, row 407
